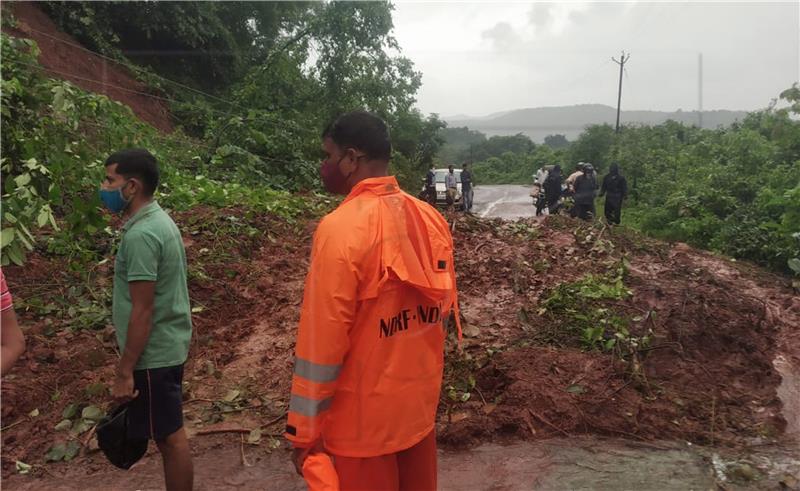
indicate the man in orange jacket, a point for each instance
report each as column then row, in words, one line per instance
column 378, row 297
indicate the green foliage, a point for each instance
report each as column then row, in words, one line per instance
column 732, row 190
column 580, row 309
column 208, row 45
column 592, row 146
column 457, row 141
column 56, row 136
column 556, row 141
column 516, row 168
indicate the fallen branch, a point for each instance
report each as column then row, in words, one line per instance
column 548, row 423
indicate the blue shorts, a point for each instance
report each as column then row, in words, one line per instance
column 157, row 412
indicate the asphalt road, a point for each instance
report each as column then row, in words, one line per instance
column 503, row 201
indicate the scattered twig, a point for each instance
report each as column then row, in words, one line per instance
column 212, row 431
column 275, row 420
column 480, row 394
column 12, row 425
column 241, row 450
column 190, row 401
column 548, row 423
column 89, row 436
column 629, row 382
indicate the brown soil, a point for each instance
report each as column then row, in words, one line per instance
column 707, row 378
column 63, row 58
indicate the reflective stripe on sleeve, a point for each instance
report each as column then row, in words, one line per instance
column 316, row 372
column 308, row 407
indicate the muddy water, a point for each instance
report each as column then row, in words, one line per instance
column 577, row 463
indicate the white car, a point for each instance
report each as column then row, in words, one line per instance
column 441, row 190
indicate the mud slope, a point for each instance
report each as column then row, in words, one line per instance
column 64, row 58
column 522, row 372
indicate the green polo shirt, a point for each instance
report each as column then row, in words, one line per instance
column 151, row 249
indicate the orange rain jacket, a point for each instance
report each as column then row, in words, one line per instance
column 370, row 346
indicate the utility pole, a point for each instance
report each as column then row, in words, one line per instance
column 700, row 88
column 621, row 64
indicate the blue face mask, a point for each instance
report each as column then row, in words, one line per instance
column 113, row 199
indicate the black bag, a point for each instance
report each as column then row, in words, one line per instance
column 112, row 437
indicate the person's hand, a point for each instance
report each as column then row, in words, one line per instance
column 299, row 455
column 122, row 390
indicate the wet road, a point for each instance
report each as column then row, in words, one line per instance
column 503, row 201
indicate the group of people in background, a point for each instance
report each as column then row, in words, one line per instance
column 451, row 180
column 550, row 189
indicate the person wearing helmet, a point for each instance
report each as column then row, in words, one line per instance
column 585, row 189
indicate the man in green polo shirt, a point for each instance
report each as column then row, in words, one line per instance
column 151, row 312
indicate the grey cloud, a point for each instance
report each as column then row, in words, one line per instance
column 502, row 35
column 541, row 15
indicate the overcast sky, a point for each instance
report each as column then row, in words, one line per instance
column 483, row 57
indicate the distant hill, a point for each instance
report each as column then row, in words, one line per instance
column 539, row 122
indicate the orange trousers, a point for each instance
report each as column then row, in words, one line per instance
column 413, row 469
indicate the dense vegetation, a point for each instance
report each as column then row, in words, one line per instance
column 734, row 190
column 262, row 81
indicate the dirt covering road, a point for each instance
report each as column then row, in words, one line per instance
column 694, row 361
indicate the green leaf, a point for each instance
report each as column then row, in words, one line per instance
column 576, row 389
column 92, row 413
column 22, row 467
column 70, row 411
column 22, row 179
column 34, row 413
column 794, row 265
column 56, row 453
column 71, row 450
column 63, row 425
column 43, row 217
column 6, row 236
column 15, row 255
column 80, row 426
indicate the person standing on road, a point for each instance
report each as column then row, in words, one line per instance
column 370, row 343
column 430, row 185
column 585, row 190
column 466, row 188
column 538, row 188
column 552, row 190
column 570, row 182
column 615, row 187
column 11, row 337
column 151, row 312
column 451, row 184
